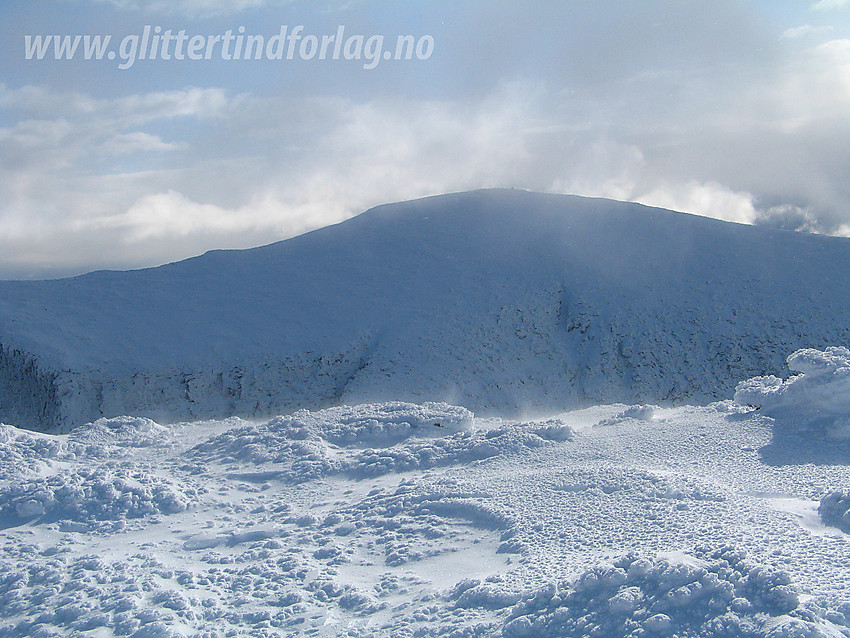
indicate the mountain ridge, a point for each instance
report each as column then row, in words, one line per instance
column 500, row 300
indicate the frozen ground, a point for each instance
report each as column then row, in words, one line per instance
column 396, row 519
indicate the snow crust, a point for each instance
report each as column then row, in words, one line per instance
column 371, row 520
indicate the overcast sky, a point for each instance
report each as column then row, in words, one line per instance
column 736, row 110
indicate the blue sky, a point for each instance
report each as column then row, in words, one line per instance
column 737, row 110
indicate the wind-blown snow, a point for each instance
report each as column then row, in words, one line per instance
column 373, row 520
column 506, row 302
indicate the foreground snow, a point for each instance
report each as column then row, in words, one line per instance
column 376, row 521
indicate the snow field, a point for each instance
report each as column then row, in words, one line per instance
column 372, row 520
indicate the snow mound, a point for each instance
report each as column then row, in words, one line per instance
column 361, row 425
column 834, row 509
column 122, row 431
column 721, row 593
column 634, row 412
column 93, row 496
column 24, row 451
column 818, row 396
column 372, row 440
column 303, row 441
column 382, row 423
column 460, row 448
column 304, row 445
column 295, row 451
column 407, row 525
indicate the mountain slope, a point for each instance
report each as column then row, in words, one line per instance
column 498, row 300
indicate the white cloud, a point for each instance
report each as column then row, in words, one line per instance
column 137, row 142
column 207, row 103
column 160, row 175
column 826, row 5
column 194, row 8
column 171, row 216
column 133, row 109
column 710, row 200
column 804, row 31
column 788, row 217
column 37, row 134
column 37, row 100
column 73, row 135
column 602, row 168
column 83, row 158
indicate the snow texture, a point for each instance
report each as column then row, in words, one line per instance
column 725, row 595
column 92, row 496
column 371, row 520
column 506, row 302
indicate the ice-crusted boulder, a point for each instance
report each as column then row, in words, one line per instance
column 834, row 509
column 817, row 396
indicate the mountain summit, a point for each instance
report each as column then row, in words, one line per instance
column 504, row 301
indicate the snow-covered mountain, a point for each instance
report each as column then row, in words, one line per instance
column 498, row 300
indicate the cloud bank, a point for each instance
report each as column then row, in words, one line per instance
column 733, row 120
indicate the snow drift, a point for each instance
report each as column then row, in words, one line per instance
column 501, row 301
